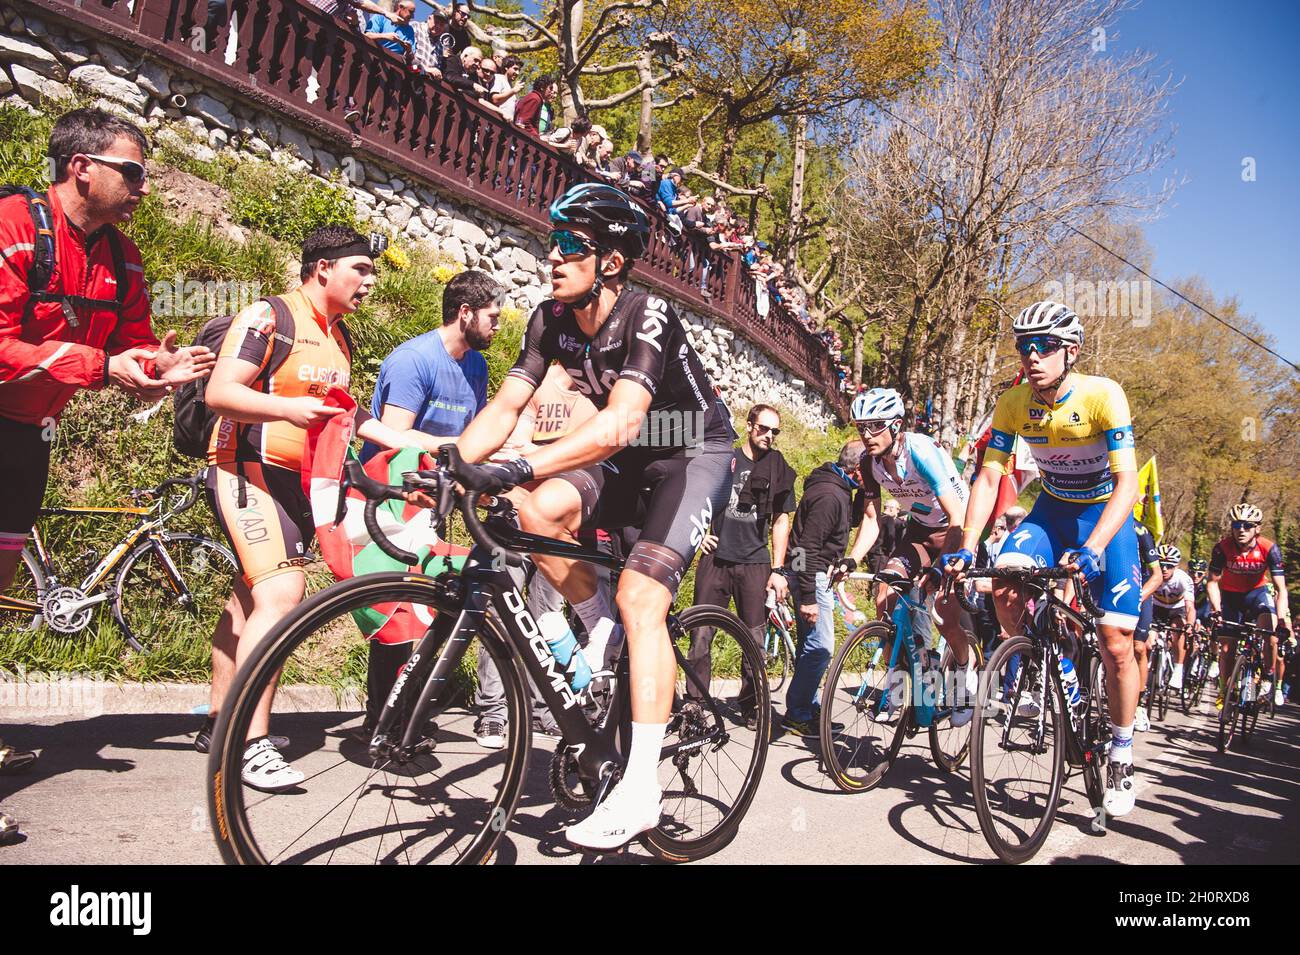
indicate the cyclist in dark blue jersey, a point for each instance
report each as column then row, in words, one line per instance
column 656, row 456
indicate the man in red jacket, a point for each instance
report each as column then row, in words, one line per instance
column 81, row 331
column 76, row 329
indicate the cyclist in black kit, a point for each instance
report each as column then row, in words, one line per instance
column 656, row 456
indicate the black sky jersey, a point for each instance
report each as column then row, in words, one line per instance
column 643, row 341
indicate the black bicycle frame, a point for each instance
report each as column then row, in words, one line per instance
column 484, row 586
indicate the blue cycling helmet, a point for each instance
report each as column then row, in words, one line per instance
column 614, row 218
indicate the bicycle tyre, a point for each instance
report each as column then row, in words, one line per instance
column 1193, row 679
column 778, row 663
column 23, row 588
column 226, row 792
column 1160, row 703
column 985, row 704
column 667, row 842
column 949, row 758
column 1231, row 706
column 145, row 636
column 1097, row 728
column 838, row 755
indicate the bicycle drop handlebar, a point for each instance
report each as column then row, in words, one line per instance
column 441, row 485
column 189, row 483
column 1032, row 576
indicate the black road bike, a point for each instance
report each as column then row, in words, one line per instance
column 417, row 788
column 1242, row 698
column 1031, row 723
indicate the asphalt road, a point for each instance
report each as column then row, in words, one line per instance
column 125, row 788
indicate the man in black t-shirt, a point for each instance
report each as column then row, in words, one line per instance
column 736, row 564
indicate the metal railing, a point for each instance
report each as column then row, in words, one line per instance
column 296, row 62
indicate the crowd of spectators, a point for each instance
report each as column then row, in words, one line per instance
column 702, row 228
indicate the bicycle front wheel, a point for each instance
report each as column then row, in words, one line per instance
column 865, row 710
column 1193, row 679
column 448, row 801
column 1231, row 705
column 171, row 592
column 1160, row 694
column 1017, row 751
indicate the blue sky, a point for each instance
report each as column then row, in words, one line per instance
column 1240, row 96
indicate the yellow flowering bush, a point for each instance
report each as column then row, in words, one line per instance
column 396, row 257
column 445, row 273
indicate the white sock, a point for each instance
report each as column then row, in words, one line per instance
column 592, row 611
column 1121, row 744
column 1178, row 669
column 598, row 643
column 643, row 761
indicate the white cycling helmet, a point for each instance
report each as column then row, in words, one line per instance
column 1245, row 512
column 1049, row 318
column 1169, row 555
column 878, row 404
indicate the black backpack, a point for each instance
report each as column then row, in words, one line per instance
column 193, row 424
column 192, row 427
column 44, row 265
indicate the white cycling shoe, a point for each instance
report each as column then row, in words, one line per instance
column 1121, row 794
column 626, row 812
column 266, row 770
column 1278, row 698
column 1176, row 681
column 1140, row 721
column 965, row 710
column 1214, row 671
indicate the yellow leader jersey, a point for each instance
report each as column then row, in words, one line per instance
column 1079, row 443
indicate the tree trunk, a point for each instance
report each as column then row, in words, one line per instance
column 644, row 73
column 730, row 132
column 859, row 333
column 796, row 190
column 1200, row 514
column 571, row 13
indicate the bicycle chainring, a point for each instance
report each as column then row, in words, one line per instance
column 566, row 787
column 60, row 620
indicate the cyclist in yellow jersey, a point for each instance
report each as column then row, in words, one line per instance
column 1080, row 433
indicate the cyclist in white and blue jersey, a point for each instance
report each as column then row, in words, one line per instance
column 921, row 477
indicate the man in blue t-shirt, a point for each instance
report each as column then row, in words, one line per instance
column 437, row 382
column 396, row 34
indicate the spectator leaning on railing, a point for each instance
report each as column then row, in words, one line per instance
column 395, row 32
column 507, row 86
column 528, row 111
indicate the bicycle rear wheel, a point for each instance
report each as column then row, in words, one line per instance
column 29, row 586
column 1017, row 756
column 950, row 744
column 448, row 802
column 717, row 740
column 776, row 653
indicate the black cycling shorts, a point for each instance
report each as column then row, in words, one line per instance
column 24, row 472
column 671, row 499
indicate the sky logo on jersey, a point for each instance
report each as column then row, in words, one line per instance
column 656, row 313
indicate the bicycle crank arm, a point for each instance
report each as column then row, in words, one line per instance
column 72, row 609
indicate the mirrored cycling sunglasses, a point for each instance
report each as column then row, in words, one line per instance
column 570, row 243
column 1244, row 525
column 131, row 171
column 873, row 427
column 1043, row 344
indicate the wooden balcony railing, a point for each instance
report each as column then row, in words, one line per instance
column 294, row 61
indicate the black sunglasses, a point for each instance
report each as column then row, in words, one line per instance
column 765, row 428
